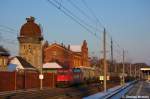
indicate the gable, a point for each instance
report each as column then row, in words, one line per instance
column 24, row 63
column 56, row 47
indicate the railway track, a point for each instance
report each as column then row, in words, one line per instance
column 112, row 93
column 74, row 92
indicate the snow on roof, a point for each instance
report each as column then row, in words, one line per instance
column 20, row 63
column 51, row 65
column 75, row 48
column 145, row 69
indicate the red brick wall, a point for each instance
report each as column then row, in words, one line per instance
column 14, row 80
column 63, row 55
column 32, row 80
column 20, row 80
column 7, row 81
column 58, row 54
column 49, row 80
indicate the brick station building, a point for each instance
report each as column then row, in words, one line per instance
column 67, row 56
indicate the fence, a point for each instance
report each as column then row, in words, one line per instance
column 25, row 80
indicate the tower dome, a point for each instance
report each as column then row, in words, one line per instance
column 30, row 28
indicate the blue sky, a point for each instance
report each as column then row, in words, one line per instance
column 127, row 21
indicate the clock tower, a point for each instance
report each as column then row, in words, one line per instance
column 30, row 42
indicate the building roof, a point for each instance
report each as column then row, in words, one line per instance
column 51, row 65
column 24, row 63
column 20, row 63
column 30, row 29
column 3, row 51
column 75, row 48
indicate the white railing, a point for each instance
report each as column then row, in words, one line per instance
column 111, row 92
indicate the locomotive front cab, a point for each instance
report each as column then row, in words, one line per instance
column 64, row 77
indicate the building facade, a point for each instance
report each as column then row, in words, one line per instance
column 70, row 56
column 4, row 57
column 30, row 38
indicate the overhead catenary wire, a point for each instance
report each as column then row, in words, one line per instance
column 81, row 11
column 7, row 31
column 75, row 18
column 110, row 37
column 9, row 40
column 71, row 16
column 96, row 28
column 8, row 28
column 92, row 13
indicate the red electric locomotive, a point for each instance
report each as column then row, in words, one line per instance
column 68, row 77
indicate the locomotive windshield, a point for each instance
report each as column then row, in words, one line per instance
column 64, row 71
column 76, row 70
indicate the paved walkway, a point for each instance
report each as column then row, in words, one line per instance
column 141, row 90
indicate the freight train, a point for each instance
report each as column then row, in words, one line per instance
column 71, row 76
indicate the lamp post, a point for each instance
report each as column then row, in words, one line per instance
column 104, row 55
column 41, row 71
column 130, row 70
column 123, row 82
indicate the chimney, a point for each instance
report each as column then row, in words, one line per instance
column 30, row 19
column 62, row 44
column 68, row 47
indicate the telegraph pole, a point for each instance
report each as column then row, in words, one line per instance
column 105, row 74
column 112, row 63
column 123, row 70
column 130, row 69
column 139, row 71
column 135, row 71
